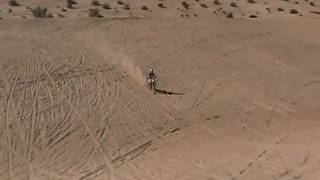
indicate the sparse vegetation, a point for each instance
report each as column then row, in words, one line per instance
column 315, row 12
column 144, row 7
column 126, row 7
column 95, row 3
column 120, row 2
column 233, row 4
column 293, row 11
column 251, row 1
column 70, row 3
column 106, row 6
column 253, row 16
column 13, row 3
column 312, row 4
column 217, row 2
column 39, row 12
column 229, row 15
column 280, row 9
column 204, row 5
column 185, row 5
column 49, row 15
column 268, row 10
column 161, row 5
column 94, row 13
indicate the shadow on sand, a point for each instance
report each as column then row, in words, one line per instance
column 162, row 91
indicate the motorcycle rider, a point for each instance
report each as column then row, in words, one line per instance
column 151, row 74
column 151, row 80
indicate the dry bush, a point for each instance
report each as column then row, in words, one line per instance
column 217, row 2
column 120, row 2
column 251, row 1
column 185, row 5
column 161, row 5
column 312, row 4
column 39, row 12
column 144, row 7
column 293, row 11
column 315, row 12
column 126, row 7
column 94, row 13
column 280, row 9
column 49, row 15
column 204, row 5
column 70, row 3
column 95, row 3
column 106, row 6
column 268, row 9
column 233, row 4
column 253, row 16
column 229, row 15
column 13, row 3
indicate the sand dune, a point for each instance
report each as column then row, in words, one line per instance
column 237, row 99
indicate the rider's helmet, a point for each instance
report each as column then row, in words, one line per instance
column 151, row 70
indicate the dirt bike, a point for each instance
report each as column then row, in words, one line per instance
column 152, row 84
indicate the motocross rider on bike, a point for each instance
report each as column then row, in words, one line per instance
column 152, row 80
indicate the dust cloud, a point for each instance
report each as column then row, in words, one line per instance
column 116, row 57
column 128, row 65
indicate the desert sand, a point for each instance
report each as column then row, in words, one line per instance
column 238, row 90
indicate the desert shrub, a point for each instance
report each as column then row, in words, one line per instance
column 293, row 11
column 204, row 5
column 106, row 6
column 13, row 3
column 253, row 16
column 161, row 5
column 120, row 2
column 251, row 1
column 312, row 4
column 39, row 12
column 95, row 3
column 126, row 6
column 144, row 7
column 94, row 13
column 217, row 2
column 70, row 3
column 280, row 9
column 233, row 4
column 229, row 15
column 268, row 9
column 315, row 12
column 49, row 15
column 185, row 5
